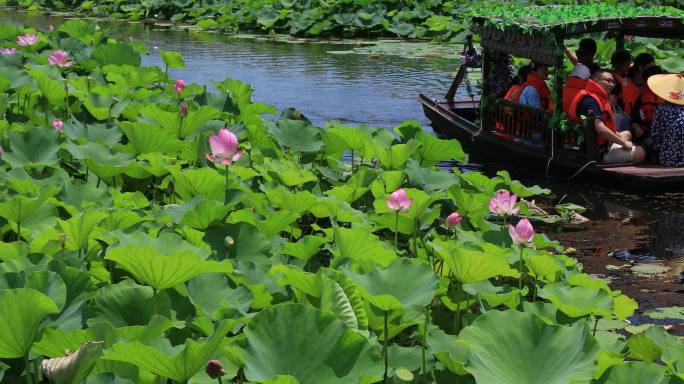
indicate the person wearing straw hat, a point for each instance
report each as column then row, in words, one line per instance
column 668, row 125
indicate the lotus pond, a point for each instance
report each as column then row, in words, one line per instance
column 155, row 231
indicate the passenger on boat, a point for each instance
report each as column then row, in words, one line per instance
column 621, row 60
column 594, row 101
column 584, row 55
column 668, row 124
column 513, row 92
column 577, row 79
column 634, row 82
column 535, row 92
column 645, row 106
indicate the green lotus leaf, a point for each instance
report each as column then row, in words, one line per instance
column 198, row 213
column 393, row 157
column 289, row 173
column 339, row 137
column 308, row 344
column 347, row 193
column 304, row 248
column 505, row 348
column 172, row 59
column 180, row 367
column 643, row 347
column 166, row 243
column 22, row 209
column 127, row 303
column 115, row 53
column 661, row 313
column 516, row 186
column 297, row 135
column 434, row 149
column 13, row 250
column 146, row 138
column 496, row 295
column 51, row 88
column 585, row 280
column 211, row 291
column 547, row 312
column 624, row 306
column 282, row 379
column 74, row 368
column 160, row 271
column 428, row 179
column 543, row 267
column 102, row 105
column 448, row 350
column 385, row 288
column 635, row 372
column 472, row 265
column 56, row 342
column 128, row 77
column 22, row 310
column 37, row 147
column 79, row 228
column 299, row 202
column 362, row 246
column 578, row 301
column 172, row 122
column 204, row 181
column 100, row 159
column 78, row 28
column 98, row 133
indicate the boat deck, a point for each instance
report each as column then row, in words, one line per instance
column 649, row 170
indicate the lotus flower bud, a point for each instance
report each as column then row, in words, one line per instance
column 214, row 369
column 183, row 109
column 522, row 233
column 58, row 125
column 453, row 220
column 179, row 86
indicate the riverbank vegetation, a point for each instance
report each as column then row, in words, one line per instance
column 152, row 230
column 445, row 20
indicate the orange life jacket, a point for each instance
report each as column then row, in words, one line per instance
column 540, row 85
column 513, row 92
column 595, row 91
column 572, row 86
column 649, row 102
column 630, row 94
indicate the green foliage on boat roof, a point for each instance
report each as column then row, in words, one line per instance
column 551, row 16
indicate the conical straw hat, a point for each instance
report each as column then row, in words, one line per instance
column 669, row 87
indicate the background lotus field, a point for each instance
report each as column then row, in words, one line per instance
column 133, row 251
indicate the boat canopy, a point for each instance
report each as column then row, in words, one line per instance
column 537, row 32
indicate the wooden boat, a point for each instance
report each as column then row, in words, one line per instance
column 493, row 127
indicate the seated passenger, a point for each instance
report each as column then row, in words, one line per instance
column 594, row 101
column 515, row 88
column 535, row 92
column 577, row 80
column 668, row 125
column 634, row 82
column 645, row 106
column 621, row 61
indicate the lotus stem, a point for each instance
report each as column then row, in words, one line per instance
column 154, row 301
column 427, row 322
column 593, row 332
column 18, row 231
column 396, row 232
column 384, row 349
column 29, row 379
column 226, row 198
column 66, row 99
column 180, row 127
column 521, row 269
column 352, row 161
column 415, row 239
column 219, row 380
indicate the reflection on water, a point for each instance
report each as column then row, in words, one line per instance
column 377, row 90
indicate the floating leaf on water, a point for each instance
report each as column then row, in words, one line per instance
column 649, row 269
column 666, row 313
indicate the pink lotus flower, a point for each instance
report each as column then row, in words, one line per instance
column 398, row 201
column 503, row 203
column 27, row 39
column 8, row 51
column 58, row 125
column 522, row 233
column 179, row 86
column 453, row 220
column 224, row 148
column 59, row 58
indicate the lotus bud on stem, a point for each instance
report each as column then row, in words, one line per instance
column 214, row 369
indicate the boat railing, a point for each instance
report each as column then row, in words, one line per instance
column 532, row 127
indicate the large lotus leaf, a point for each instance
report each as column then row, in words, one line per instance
column 198, row 213
column 100, row 154
column 240, row 93
column 147, row 138
column 160, row 271
column 434, row 149
column 297, row 135
column 479, row 182
column 127, row 303
column 643, row 347
column 496, row 295
column 78, row 28
column 73, row 368
column 172, row 59
column 449, row 350
column 624, row 306
column 99, row 133
column 204, row 181
column 180, row 367
column 471, row 265
column 313, row 346
column 51, row 88
column 116, row 53
column 339, row 137
column 79, row 228
column 635, row 372
column 127, row 77
column 211, row 291
column 166, row 244
column 385, row 288
column 585, row 280
column 298, row 202
column 578, row 301
column 393, row 157
column 428, row 179
column 22, row 310
column 543, row 267
column 172, row 121
column 517, row 187
column 37, row 147
column 362, row 246
column 304, row 248
column 347, row 193
column 289, row 173
column 13, row 250
column 19, row 209
column 506, row 348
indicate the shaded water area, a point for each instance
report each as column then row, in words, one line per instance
column 380, row 90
